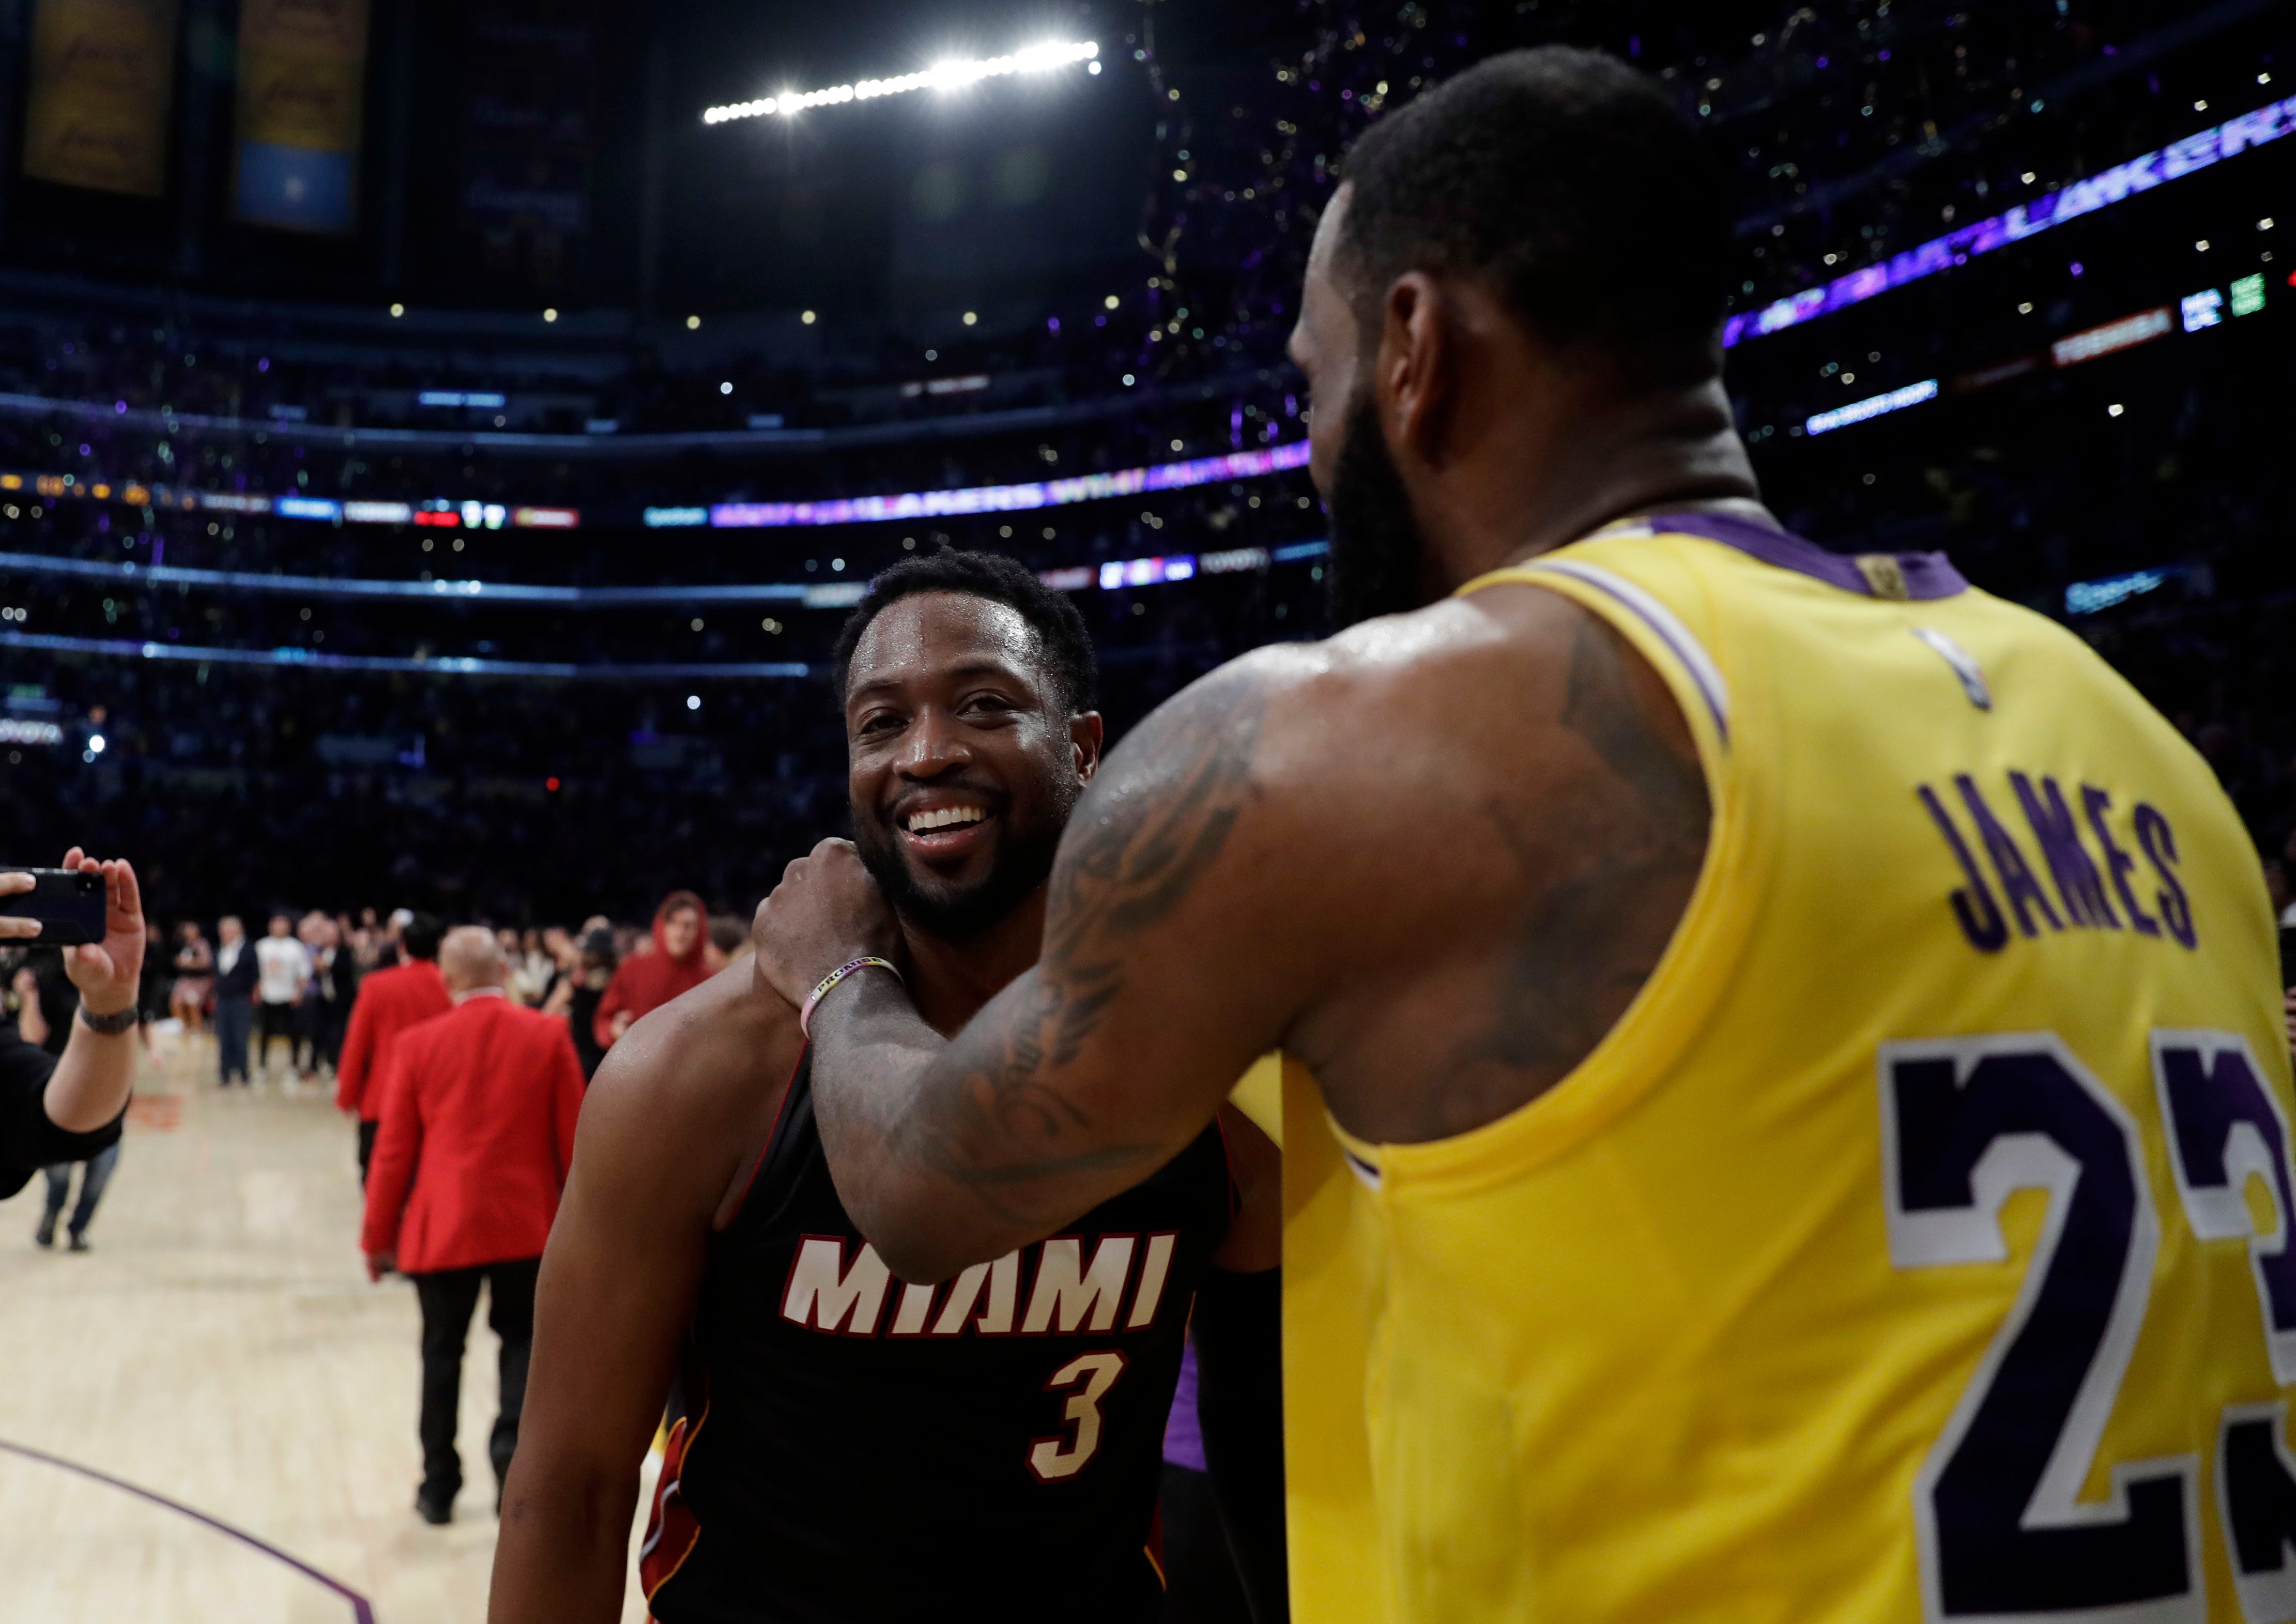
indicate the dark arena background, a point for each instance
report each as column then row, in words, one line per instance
column 477, row 546
column 440, row 441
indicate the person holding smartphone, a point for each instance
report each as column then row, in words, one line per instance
column 68, row 1107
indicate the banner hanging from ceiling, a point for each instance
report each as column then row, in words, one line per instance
column 302, row 69
column 102, row 84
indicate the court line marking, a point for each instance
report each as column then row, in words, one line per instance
column 362, row 1610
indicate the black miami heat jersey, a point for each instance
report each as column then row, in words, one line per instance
column 857, row 1447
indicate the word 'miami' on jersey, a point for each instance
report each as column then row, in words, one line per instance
column 1069, row 1293
column 2080, row 894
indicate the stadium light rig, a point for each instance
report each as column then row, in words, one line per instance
column 941, row 75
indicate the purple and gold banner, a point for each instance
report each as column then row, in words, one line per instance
column 103, row 76
column 302, row 73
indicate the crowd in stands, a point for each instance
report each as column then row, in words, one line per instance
column 499, row 797
column 1853, row 135
column 491, row 798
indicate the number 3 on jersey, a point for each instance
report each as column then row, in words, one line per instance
column 1092, row 1375
column 2003, row 1533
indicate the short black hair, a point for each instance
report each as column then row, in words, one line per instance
column 1063, row 645
column 1570, row 178
column 419, row 936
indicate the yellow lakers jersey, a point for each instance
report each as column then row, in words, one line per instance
column 1917, row 1244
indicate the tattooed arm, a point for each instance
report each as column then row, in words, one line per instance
column 1434, row 858
column 946, row 1151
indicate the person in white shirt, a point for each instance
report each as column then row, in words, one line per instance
column 282, row 967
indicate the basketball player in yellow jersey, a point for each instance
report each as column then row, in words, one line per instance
column 1784, row 1110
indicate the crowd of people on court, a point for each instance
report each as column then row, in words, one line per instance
column 282, row 1005
column 463, row 1055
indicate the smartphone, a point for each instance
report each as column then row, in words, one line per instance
column 69, row 906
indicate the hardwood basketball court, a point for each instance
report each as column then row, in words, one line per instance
column 221, row 1349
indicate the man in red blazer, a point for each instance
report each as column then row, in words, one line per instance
column 476, row 1133
column 389, row 1001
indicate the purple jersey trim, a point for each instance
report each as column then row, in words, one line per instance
column 1928, row 575
column 1184, row 1433
column 1687, row 650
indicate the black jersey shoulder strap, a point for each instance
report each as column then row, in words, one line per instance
column 793, row 1141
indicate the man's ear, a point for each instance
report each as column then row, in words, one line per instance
column 1411, row 374
column 1085, row 733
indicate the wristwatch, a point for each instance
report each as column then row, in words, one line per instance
column 112, row 1025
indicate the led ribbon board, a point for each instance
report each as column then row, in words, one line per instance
column 597, row 670
column 821, row 594
column 1872, row 405
column 2068, row 202
column 835, row 595
column 2113, row 337
column 2088, row 597
column 992, row 498
column 941, row 75
column 725, row 515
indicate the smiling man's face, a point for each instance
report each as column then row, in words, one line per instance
column 963, row 759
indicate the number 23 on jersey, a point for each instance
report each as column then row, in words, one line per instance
column 2004, row 1530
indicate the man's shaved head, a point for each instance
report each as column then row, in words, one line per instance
column 1561, row 191
column 1568, row 179
column 471, row 957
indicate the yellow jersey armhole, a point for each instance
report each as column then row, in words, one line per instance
column 1259, row 1094
column 1659, row 634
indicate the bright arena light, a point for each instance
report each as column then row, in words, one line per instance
column 941, row 75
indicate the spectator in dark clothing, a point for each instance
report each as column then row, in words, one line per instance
column 234, row 999
column 332, row 987
column 157, row 983
column 44, row 1019
column 66, row 1107
column 594, row 972
column 95, row 1174
column 728, row 939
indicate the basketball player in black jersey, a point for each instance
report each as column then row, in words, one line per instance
column 850, row 1447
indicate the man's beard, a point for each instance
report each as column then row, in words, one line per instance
column 1378, row 556
column 1023, row 861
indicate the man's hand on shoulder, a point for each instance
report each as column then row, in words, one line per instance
column 826, row 912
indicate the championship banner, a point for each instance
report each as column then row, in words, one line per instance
column 302, row 68
column 103, row 76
